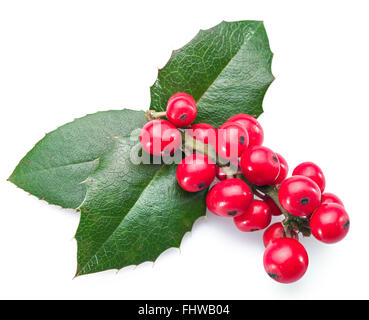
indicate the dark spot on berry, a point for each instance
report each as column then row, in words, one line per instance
column 253, row 230
column 183, row 116
column 232, row 213
column 242, row 139
column 275, row 158
column 202, row 185
column 304, row 201
column 273, row 276
column 347, row 224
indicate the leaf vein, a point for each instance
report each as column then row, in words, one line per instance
column 221, row 71
column 123, row 219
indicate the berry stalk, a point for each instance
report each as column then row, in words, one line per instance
column 234, row 153
column 189, row 144
column 152, row 115
column 290, row 222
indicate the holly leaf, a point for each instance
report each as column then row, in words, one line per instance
column 227, row 69
column 132, row 213
column 54, row 169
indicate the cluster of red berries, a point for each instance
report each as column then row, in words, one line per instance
column 239, row 141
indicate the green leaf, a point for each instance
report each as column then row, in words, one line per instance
column 227, row 69
column 54, row 169
column 132, row 213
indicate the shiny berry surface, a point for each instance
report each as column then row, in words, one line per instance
column 330, row 223
column 285, row 260
column 229, row 198
column 312, row 171
column 252, row 126
column 232, row 140
column 181, row 109
column 328, row 197
column 260, row 165
column 283, row 172
column 160, row 137
column 256, row 217
column 274, row 209
column 276, row 231
column 203, row 132
column 195, row 172
column 299, row 195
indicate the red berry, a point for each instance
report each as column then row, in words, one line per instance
column 181, row 109
column 252, row 126
column 285, row 260
column 160, row 137
column 283, row 172
column 256, row 217
column 328, row 197
column 276, row 231
column 330, row 223
column 260, row 165
column 312, row 171
column 195, row 172
column 233, row 167
column 299, row 195
column 229, row 198
column 232, row 140
column 203, row 132
column 274, row 209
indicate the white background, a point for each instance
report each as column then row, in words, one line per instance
column 63, row 59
